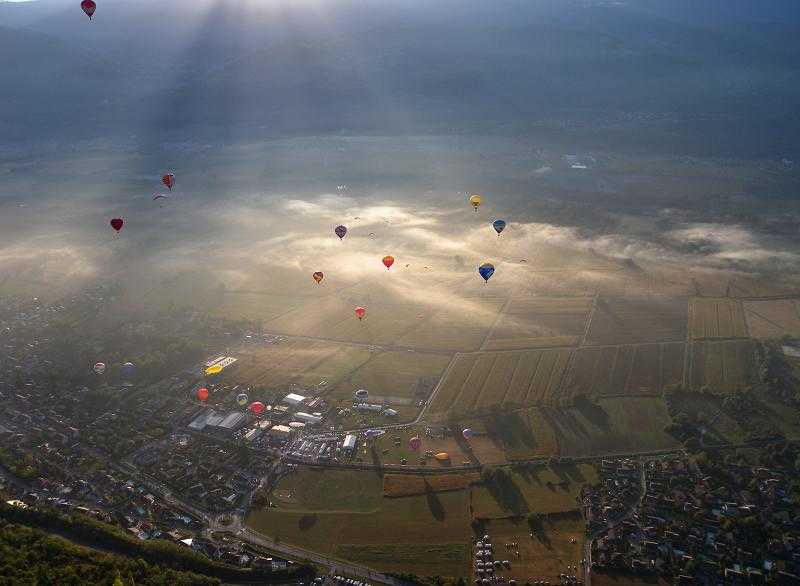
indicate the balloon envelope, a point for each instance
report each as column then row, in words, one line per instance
column 388, row 261
column 340, row 231
column 168, row 179
column 360, row 312
column 415, row 443
column 100, row 368
column 88, row 6
column 241, row 399
column 212, row 370
column 128, row 370
column 467, row 433
column 318, row 276
column 202, row 394
column 442, row 456
column 499, row 225
column 257, row 407
column 475, row 200
column 486, row 270
column 116, row 223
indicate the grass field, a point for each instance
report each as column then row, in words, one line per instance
column 603, row 579
column 626, row 320
column 439, row 521
column 716, row 318
column 540, row 322
column 400, row 485
column 539, row 489
column 643, row 369
column 773, row 319
column 383, row 449
column 556, row 544
column 723, row 366
column 318, row 489
column 478, row 382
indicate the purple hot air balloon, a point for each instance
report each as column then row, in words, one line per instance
column 340, row 231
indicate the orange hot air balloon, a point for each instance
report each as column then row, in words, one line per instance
column 168, row 179
column 388, row 261
column 202, row 394
column 318, row 276
column 360, row 312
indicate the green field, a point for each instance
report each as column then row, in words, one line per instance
column 319, row 489
column 723, row 366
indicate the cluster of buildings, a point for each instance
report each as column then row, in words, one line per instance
column 619, row 490
column 730, row 523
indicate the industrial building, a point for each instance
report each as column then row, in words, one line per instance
column 308, row 418
column 349, row 443
column 294, row 399
column 213, row 421
column 280, row 431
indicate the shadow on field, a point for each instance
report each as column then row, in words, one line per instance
column 307, row 522
column 434, row 503
column 506, row 492
column 539, row 530
column 511, row 430
column 593, row 412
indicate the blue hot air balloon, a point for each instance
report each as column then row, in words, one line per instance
column 486, row 270
column 499, row 225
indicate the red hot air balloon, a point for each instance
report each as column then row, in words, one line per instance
column 388, row 261
column 168, row 179
column 318, row 276
column 257, row 407
column 202, row 394
column 116, row 223
column 360, row 312
column 88, row 6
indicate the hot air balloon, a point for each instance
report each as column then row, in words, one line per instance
column 168, row 179
column 99, row 368
column 88, row 6
column 202, row 394
column 116, row 223
column 360, row 312
column 442, row 456
column 212, row 370
column 340, row 231
column 128, row 370
column 242, row 399
column 388, row 261
column 475, row 200
column 256, row 407
column 467, row 433
column 415, row 443
column 318, row 276
column 486, row 270
column 499, row 226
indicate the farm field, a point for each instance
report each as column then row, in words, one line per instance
column 716, row 318
column 540, row 322
column 438, row 520
column 382, row 449
column 774, row 318
column 627, row 320
column 537, row 489
column 722, row 366
column 612, row 425
column 603, row 579
column 319, row 489
column 400, row 485
column 643, row 369
column 478, row 382
column 749, row 286
column 543, row 556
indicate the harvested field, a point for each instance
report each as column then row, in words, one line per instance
column 774, row 318
column 644, row 369
column 399, row 485
column 477, row 382
column 716, row 318
column 626, row 320
column 540, row 322
column 723, row 366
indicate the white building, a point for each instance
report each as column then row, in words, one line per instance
column 281, row 431
column 294, row 399
column 349, row 443
column 308, row 418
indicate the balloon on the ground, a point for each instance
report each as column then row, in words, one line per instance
column 415, row 443
column 88, row 6
column 486, row 270
column 467, row 433
column 242, row 399
column 99, row 368
column 340, row 231
column 168, row 179
column 388, row 261
column 202, row 394
column 442, row 456
column 256, row 407
column 318, row 276
column 213, row 369
column 499, row 226
column 475, row 200
column 117, row 223
column 360, row 312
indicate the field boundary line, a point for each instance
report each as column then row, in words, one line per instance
column 435, row 391
column 500, row 315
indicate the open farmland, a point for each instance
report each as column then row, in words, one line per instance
column 716, row 318
column 538, row 322
column 318, row 489
column 383, row 449
column 643, row 369
column 773, row 318
column 477, row 382
column 723, row 366
column 535, row 488
column 457, row 329
column 514, row 435
column 626, row 320
column 399, row 485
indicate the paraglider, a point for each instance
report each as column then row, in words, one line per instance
column 475, row 200
column 202, row 394
column 340, row 231
column 318, row 276
column 256, row 408
column 486, row 270
column 88, row 6
column 116, row 223
column 499, row 226
column 99, row 368
column 360, row 312
column 415, row 443
column 241, row 399
column 168, row 179
column 467, row 433
column 388, row 261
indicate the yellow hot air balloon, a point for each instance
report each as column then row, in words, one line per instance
column 212, row 370
column 475, row 200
